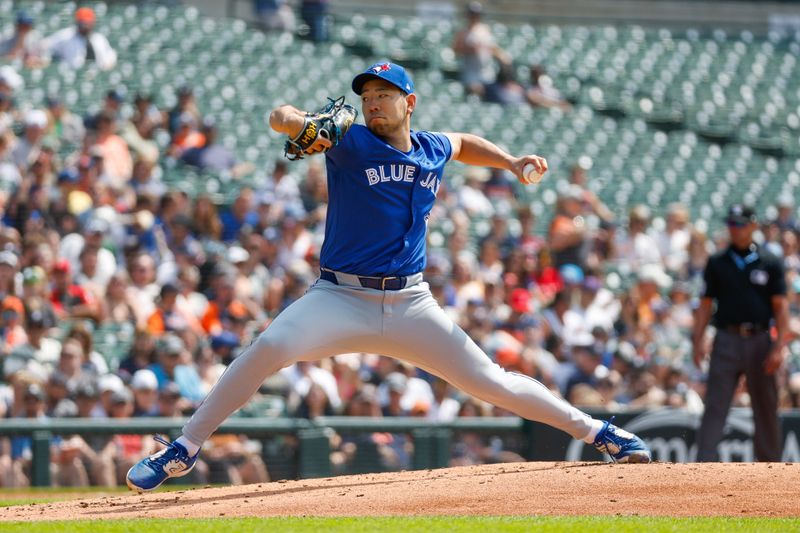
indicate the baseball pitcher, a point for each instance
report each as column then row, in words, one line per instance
column 382, row 179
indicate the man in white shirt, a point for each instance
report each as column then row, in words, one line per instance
column 79, row 45
column 637, row 248
column 673, row 240
column 27, row 148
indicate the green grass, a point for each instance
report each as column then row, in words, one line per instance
column 415, row 524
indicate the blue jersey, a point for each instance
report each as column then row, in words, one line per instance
column 379, row 202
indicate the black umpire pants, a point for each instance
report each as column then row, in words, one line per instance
column 731, row 356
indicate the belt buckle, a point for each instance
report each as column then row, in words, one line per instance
column 383, row 282
column 746, row 329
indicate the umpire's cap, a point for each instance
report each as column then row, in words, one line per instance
column 740, row 214
column 391, row 72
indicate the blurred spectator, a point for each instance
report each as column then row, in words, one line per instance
column 9, row 171
column 63, row 125
column 475, row 46
column 698, row 254
column 224, row 308
column 395, row 387
column 444, row 407
column 313, row 192
column 9, row 263
column 680, row 308
column 170, row 401
column 542, row 93
column 592, row 205
column 786, row 218
column 650, row 281
column 117, row 306
column 587, row 367
column 80, row 44
column 40, row 347
column 143, row 290
column 234, row 459
column 93, row 363
column 68, row 299
column 673, row 240
column 185, row 107
column 209, row 155
column 126, row 450
column 113, row 150
column 174, row 365
column 144, row 385
column 29, row 403
column 70, row 363
column 505, row 89
column 374, row 449
column 24, row 46
column 637, row 248
column 567, row 234
column 212, row 358
column 28, row 147
column 241, row 215
column 186, row 136
column 315, row 15
column 140, row 130
column 274, row 15
column 168, row 317
column 10, row 81
column 471, row 196
column 12, row 331
column 93, row 233
column 142, row 354
column 314, row 404
column 282, row 185
column 206, row 223
column 303, row 375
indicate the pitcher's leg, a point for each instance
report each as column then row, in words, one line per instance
column 425, row 336
column 326, row 321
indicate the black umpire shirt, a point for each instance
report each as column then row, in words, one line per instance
column 743, row 284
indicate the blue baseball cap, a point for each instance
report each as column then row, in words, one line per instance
column 24, row 18
column 391, row 72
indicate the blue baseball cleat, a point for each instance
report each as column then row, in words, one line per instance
column 150, row 472
column 623, row 447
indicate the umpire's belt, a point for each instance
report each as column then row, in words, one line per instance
column 392, row 283
column 745, row 329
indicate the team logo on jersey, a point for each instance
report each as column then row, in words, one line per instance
column 381, row 68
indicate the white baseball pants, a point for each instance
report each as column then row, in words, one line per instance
column 407, row 324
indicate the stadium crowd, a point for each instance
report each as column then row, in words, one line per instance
column 595, row 305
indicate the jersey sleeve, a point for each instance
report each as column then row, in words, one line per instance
column 347, row 145
column 443, row 143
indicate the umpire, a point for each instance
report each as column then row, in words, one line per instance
column 749, row 287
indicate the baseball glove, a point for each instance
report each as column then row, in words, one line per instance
column 331, row 122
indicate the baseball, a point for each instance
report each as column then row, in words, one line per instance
column 530, row 173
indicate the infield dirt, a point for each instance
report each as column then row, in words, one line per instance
column 731, row 489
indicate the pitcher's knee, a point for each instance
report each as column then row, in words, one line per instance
column 269, row 346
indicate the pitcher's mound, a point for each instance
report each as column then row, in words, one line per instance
column 733, row 489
